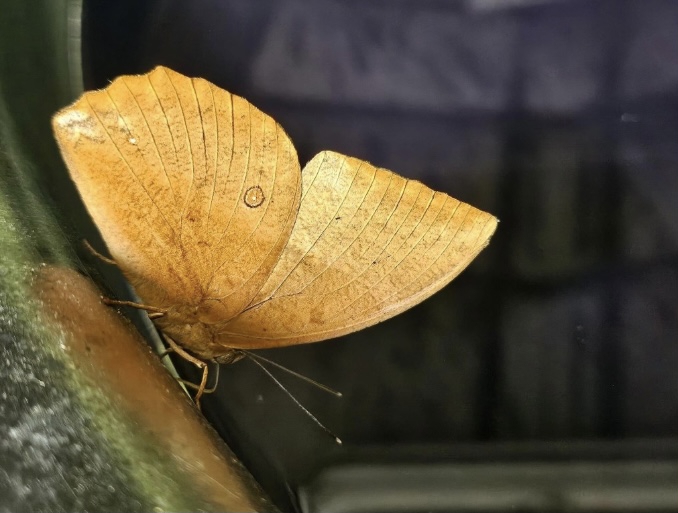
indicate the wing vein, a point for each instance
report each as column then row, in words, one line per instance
column 244, row 179
column 404, row 256
column 263, row 282
column 402, row 192
column 202, row 125
column 367, row 223
column 305, row 192
column 321, row 334
column 432, row 244
column 169, row 130
column 367, row 320
column 440, row 254
column 190, row 152
column 261, row 219
column 292, row 212
column 131, row 170
column 395, row 232
column 216, row 160
column 155, row 144
column 323, row 230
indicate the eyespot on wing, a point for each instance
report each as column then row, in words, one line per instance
column 368, row 244
column 162, row 163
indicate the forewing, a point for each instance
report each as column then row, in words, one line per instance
column 367, row 245
column 164, row 164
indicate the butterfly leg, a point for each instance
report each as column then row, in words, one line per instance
column 154, row 312
column 195, row 361
column 193, row 386
column 94, row 252
column 118, row 302
column 190, row 384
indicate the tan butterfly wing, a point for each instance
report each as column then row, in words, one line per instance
column 367, row 245
column 194, row 190
column 201, row 201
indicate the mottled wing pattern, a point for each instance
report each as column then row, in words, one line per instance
column 165, row 165
column 367, row 245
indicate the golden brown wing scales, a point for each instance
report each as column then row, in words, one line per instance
column 367, row 245
column 201, row 201
column 163, row 163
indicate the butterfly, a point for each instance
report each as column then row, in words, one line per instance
column 230, row 245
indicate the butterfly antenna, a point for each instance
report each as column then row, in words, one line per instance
column 293, row 373
column 289, row 394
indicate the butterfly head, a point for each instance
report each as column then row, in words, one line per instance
column 230, row 356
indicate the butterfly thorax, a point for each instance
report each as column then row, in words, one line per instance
column 197, row 337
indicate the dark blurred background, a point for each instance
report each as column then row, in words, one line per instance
column 559, row 117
